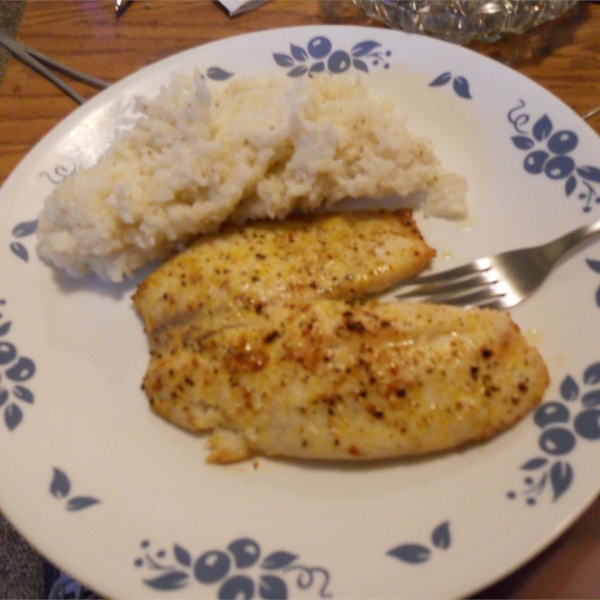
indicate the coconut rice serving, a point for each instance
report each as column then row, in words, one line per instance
column 254, row 147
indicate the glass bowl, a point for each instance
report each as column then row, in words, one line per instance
column 463, row 21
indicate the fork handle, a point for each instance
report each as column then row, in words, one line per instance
column 555, row 249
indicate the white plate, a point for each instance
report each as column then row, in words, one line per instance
column 125, row 502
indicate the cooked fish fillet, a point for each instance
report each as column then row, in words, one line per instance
column 261, row 336
column 331, row 380
column 244, row 269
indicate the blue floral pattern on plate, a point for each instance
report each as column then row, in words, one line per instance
column 59, row 173
column 218, row 74
column 594, row 265
column 60, row 488
column 20, row 231
column 460, row 84
column 320, row 55
column 15, row 370
column 417, row 553
column 239, row 571
column 549, row 153
column 563, row 422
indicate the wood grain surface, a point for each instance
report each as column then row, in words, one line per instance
column 562, row 56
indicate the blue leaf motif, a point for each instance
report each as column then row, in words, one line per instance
column 218, row 74
column 441, row 536
column 60, row 487
column 411, row 553
column 19, row 250
column 81, row 502
column 22, row 393
column 182, row 556
column 272, row 588
column 25, row 228
column 461, row 87
column 298, row 71
column 442, row 79
column 534, row 463
column 542, row 128
column 299, row 53
column 283, row 60
column 598, row 297
column 174, row 580
column 3, row 396
column 278, row 560
column 570, row 185
column 13, row 415
column 591, row 375
column 363, row 48
column 360, row 65
column 591, row 399
column 569, row 390
column 590, row 173
column 522, row 142
column 318, row 67
column 561, row 477
column 5, row 327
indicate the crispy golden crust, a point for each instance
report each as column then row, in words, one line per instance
column 330, row 380
column 247, row 268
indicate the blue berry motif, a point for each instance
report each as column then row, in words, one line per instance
column 320, row 56
column 576, row 416
column 548, row 153
column 14, row 371
column 239, row 571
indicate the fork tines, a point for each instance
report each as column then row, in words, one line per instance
column 475, row 284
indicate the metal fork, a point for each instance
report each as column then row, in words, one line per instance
column 500, row 281
column 42, row 64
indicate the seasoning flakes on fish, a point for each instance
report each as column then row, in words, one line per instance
column 264, row 336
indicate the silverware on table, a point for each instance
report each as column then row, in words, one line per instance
column 120, row 6
column 500, row 281
column 234, row 7
column 239, row 7
column 591, row 114
column 43, row 64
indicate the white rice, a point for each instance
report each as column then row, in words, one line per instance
column 255, row 147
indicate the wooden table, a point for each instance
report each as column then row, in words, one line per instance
column 563, row 56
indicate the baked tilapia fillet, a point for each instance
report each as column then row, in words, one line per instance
column 243, row 270
column 334, row 380
column 263, row 336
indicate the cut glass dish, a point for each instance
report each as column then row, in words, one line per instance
column 463, row 21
